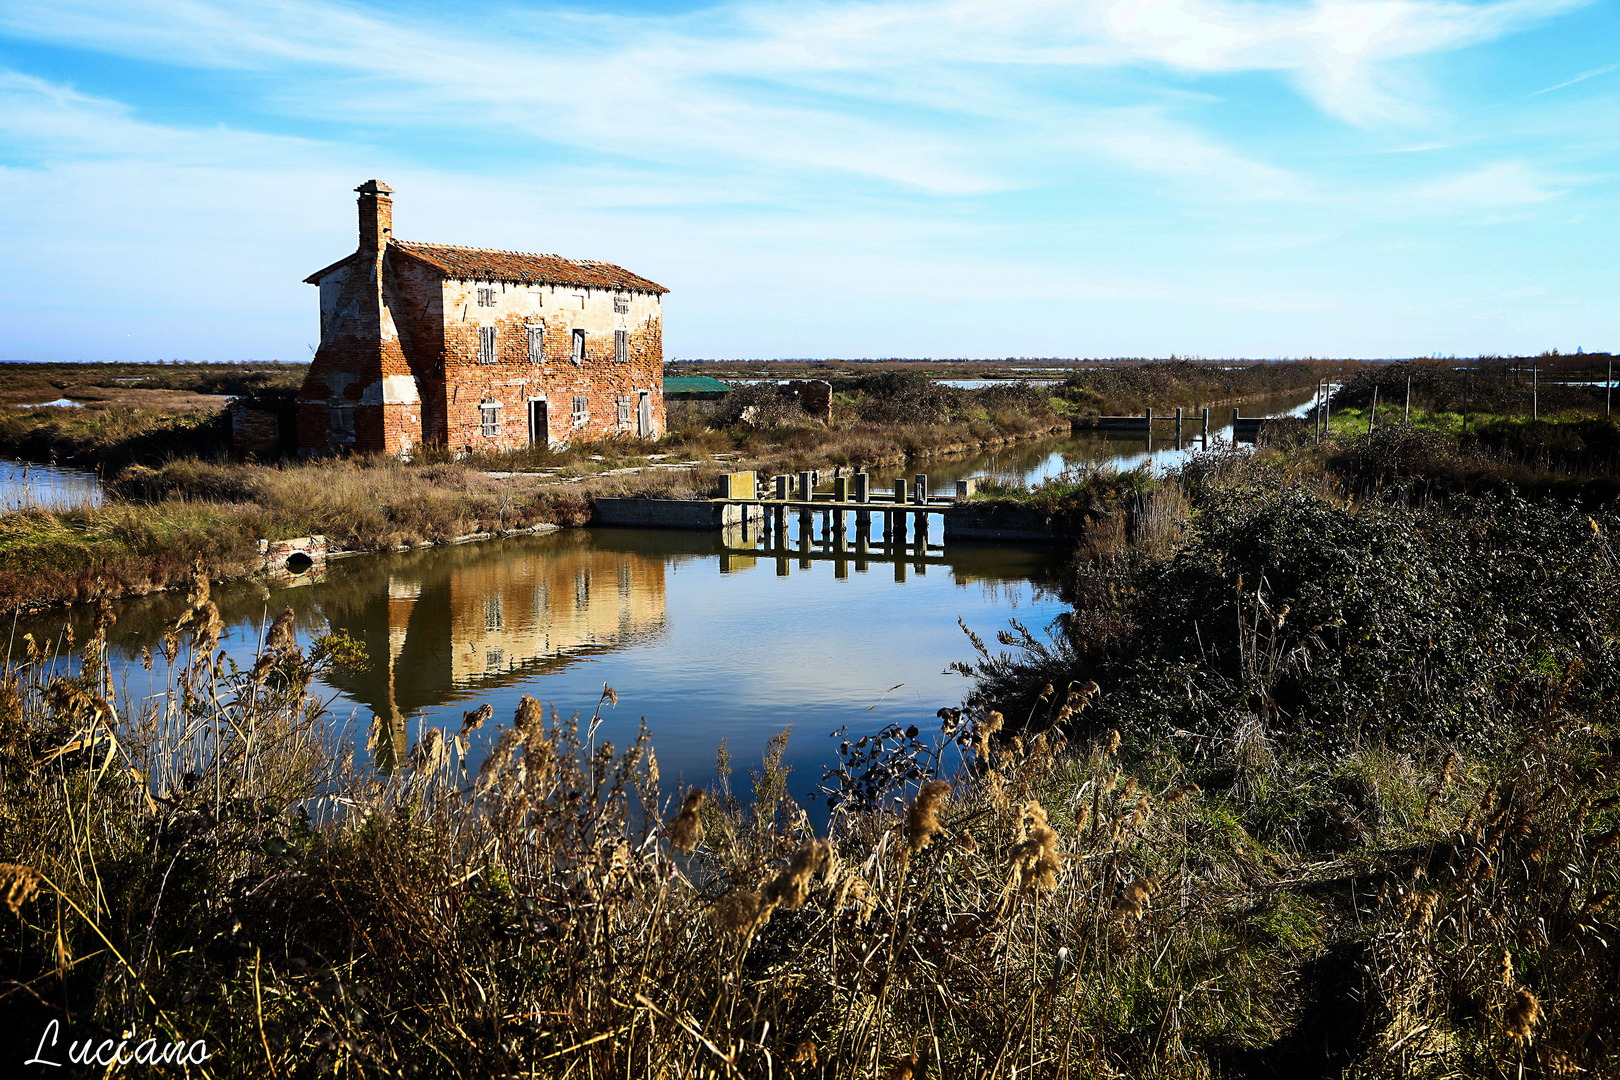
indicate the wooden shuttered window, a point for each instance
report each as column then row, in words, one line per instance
column 537, row 344
column 486, row 344
column 621, row 346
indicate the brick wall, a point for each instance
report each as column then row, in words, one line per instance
column 255, row 431
column 513, row 380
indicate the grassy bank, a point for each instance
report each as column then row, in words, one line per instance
column 1128, row 389
column 1310, row 789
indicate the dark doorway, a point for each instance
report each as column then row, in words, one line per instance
column 539, row 424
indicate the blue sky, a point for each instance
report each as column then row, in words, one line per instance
column 881, row 178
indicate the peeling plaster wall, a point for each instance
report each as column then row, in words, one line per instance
column 512, row 381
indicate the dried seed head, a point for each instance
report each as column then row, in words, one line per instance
column 474, row 719
column 791, row 887
column 687, row 828
column 1033, row 862
column 1133, row 902
column 922, row 820
column 737, row 912
column 805, row 1054
column 1181, row 793
column 1523, row 1014
column 529, row 718
column 1112, row 743
column 431, row 751
column 905, row 1068
column 18, row 884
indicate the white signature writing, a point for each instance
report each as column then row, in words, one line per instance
column 146, row 1052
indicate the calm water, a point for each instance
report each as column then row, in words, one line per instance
column 707, row 646
column 51, row 487
column 707, row 643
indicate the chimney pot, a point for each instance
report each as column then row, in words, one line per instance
column 376, row 217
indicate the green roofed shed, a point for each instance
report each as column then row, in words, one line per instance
column 693, row 387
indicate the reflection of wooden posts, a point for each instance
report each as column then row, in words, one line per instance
column 897, row 517
column 919, row 495
column 807, row 485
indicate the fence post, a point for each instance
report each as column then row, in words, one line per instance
column 1535, row 391
column 1608, row 390
column 1373, row 415
column 1406, row 417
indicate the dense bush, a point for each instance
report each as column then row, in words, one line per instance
column 1327, row 626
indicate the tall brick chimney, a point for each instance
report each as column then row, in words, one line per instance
column 376, row 217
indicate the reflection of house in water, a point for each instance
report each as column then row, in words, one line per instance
column 452, row 624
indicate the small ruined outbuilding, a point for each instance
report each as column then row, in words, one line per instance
column 477, row 349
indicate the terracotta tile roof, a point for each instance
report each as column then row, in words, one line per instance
column 484, row 264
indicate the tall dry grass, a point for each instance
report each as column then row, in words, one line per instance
column 212, row 862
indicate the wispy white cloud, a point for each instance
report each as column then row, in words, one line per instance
column 1582, row 77
column 921, row 93
column 1499, row 184
column 764, row 157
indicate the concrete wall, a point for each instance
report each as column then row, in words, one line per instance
column 988, row 523
column 672, row 513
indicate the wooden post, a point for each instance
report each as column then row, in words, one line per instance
column 1316, row 413
column 919, row 492
column 1205, row 434
column 863, row 495
column 1608, row 389
column 1373, row 415
column 1406, row 417
column 1535, row 391
column 806, row 486
column 1178, row 425
column 1327, row 409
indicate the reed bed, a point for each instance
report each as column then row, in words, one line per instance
column 1096, row 884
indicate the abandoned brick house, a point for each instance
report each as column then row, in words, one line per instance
column 476, row 349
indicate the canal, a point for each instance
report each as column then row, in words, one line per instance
column 706, row 644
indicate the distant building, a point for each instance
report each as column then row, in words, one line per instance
column 477, row 349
